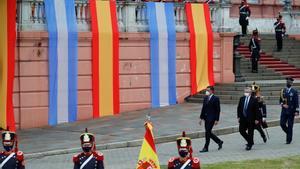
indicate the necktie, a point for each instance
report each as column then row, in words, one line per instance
column 246, row 106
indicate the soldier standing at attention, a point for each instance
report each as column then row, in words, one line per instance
column 11, row 157
column 290, row 108
column 280, row 28
column 185, row 159
column 245, row 13
column 254, row 47
column 89, row 158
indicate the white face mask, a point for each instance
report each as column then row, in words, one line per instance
column 246, row 94
column 207, row 93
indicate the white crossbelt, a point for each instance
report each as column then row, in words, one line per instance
column 86, row 161
column 277, row 25
column 185, row 164
column 242, row 7
column 5, row 161
column 253, row 42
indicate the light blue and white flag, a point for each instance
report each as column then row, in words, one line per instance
column 162, row 52
column 63, row 54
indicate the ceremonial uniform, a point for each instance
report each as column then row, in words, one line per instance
column 290, row 105
column 93, row 160
column 254, row 47
column 89, row 158
column 280, row 28
column 12, row 160
column 186, row 159
column 175, row 163
column 245, row 13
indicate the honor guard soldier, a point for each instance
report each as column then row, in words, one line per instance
column 254, row 47
column 280, row 28
column 290, row 108
column 89, row 158
column 262, row 111
column 11, row 157
column 245, row 13
column 185, row 159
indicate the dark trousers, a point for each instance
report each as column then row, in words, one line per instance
column 260, row 130
column 244, row 29
column 287, row 123
column 254, row 61
column 246, row 129
column 279, row 41
column 209, row 135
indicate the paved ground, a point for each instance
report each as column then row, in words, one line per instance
column 125, row 158
column 126, row 127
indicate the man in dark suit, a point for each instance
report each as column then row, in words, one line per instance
column 290, row 108
column 248, row 116
column 210, row 114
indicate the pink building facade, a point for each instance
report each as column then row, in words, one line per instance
column 31, row 73
column 31, row 90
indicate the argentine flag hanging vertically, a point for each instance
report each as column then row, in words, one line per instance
column 162, row 53
column 63, row 54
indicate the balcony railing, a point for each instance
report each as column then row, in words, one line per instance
column 132, row 16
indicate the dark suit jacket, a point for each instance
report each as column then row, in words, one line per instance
column 211, row 109
column 252, row 109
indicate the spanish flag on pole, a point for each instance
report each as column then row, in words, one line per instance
column 7, row 61
column 201, row 46
column 148, row 157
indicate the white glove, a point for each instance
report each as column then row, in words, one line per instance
column 263, row 119
column 247, row 18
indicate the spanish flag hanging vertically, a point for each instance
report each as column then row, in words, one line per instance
column 105, row 56
column 7, row 61
column 148, row 157
column 201, row 46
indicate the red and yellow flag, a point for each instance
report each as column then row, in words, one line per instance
column 105, row 55
column 7, row 61
column 148, row 157
column 201, row 46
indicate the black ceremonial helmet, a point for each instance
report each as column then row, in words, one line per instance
column 87, row 141
column 8, row 140
column 184, row 145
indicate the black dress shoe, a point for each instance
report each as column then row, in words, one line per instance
column 265, row 139
column 204, row 150
column 288, row 142
column 248, row 148
column 220, row 145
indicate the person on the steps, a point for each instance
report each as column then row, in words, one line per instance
column 245, row 13
column 254, row 47
column 262, row 111
column 279, row 27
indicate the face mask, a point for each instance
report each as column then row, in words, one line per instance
column 8, row 148
column 246, row 94
column 86, row 149
column 183, row 153
column 207, row 93
column 288, row 85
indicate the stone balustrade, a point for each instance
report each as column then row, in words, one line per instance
column 132, row 16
